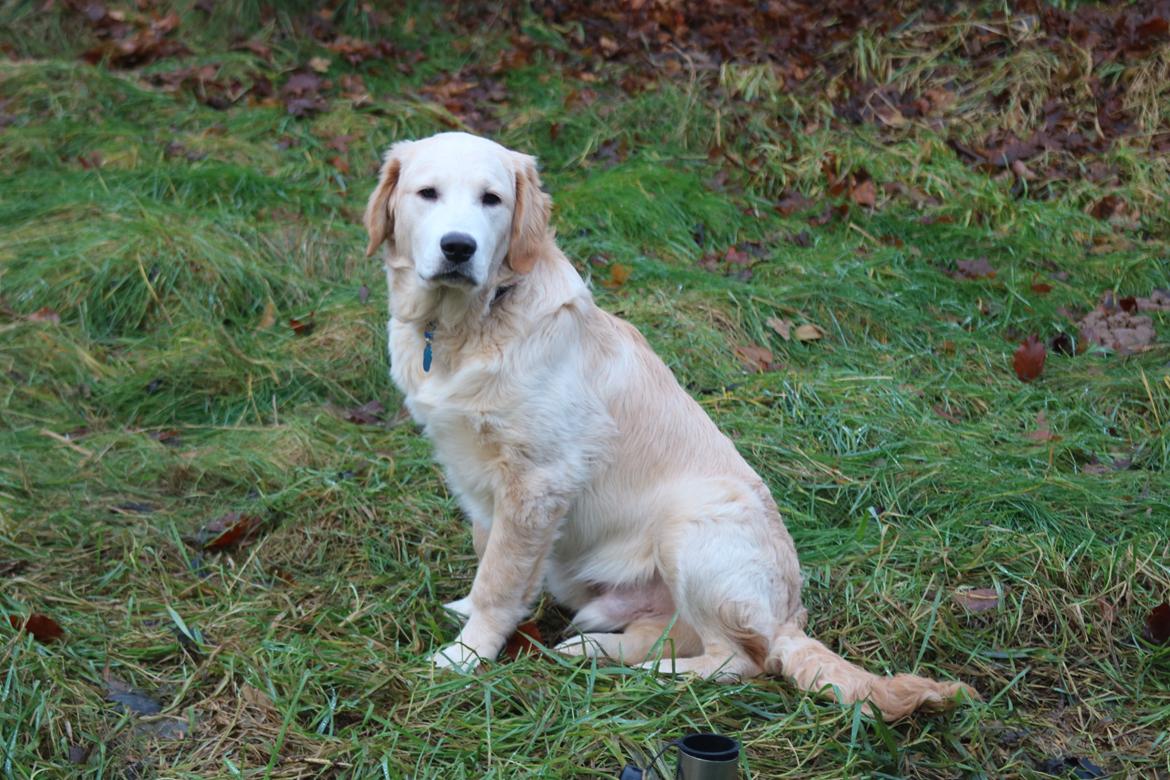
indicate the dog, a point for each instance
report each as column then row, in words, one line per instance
column 584, row 467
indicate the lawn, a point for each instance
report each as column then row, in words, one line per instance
column 837, row 240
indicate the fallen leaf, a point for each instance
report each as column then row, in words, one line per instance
column 790, row 203
column 977, row 599
column 978, row 268
column 1042, row 432
column 736, row 256
column 803, row 239
column 1028, row 360
column 366, row 414
column 363, row 294
column 523, row 641
column 259, row 48
column 303, row 326
column 809, row 332
column 863, row 192
column 170, row 437
column 44, row 314
column 302, row 94
column 754, row 357
column 783, row 327
column 228, row 530
column 43, row 628
column 268, row 318
column 1080, row 768
column 319, row 64
column 353, row 88
column 133, row 508
column 1158, row 624
column 130, row 699
column 618, row 275
column 1042, row 288
column 952, row 417
column 1114, row 209
column 828, row 214
column 1114, row 328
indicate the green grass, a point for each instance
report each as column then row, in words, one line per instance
column 307, row 648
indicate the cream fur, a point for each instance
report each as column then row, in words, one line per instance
column 584, row 467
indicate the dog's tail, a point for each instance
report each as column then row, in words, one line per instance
column 814, row 667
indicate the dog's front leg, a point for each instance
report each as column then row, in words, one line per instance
column 508, row 579
column 480, row 533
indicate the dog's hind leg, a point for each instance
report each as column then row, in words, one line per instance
column 637, row 642
column 719, row 661
column 732, row 572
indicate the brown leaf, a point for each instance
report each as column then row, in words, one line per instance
column 618, row 275
column 737, row 257
column 791, row 202
column 1114, row 328
column 366, row 414
column 809, row 332
column 353, row 88
column 826, row 215
column 302, row 94
column 268, row 317
column 43, row 628
column 1158, row 624
column 979, row 268
column 864, row 192
column 803, row 239
column 952, row 417
column 1042, row 432
column 260, row 49
column 754, row 357
column 1041, row 288
column 1115, row 210
column 783, row 327
column 977, row 599
column 523, row 641
column 44, row 314
column 1028, row 360
column 303, row 326
column 228, row 530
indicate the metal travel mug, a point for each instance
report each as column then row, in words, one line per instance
column 707, row 757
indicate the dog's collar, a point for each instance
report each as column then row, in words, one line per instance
column 429, row 331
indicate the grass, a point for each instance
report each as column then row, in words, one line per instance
column 172, row 391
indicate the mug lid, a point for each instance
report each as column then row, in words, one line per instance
column 709, row 747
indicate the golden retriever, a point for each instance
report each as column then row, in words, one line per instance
column 584, row 467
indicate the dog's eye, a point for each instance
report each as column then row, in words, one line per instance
column 491, row 199
column 428, row 193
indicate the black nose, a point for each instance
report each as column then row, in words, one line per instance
column 457, row 247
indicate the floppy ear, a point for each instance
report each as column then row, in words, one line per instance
column 379, row 221
column 530, row 231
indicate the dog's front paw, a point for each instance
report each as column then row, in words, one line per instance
column 457, row 657
column 461, row 608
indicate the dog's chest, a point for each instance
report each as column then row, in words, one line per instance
column 455, row 410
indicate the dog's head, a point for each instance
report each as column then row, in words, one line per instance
column 459, row 207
